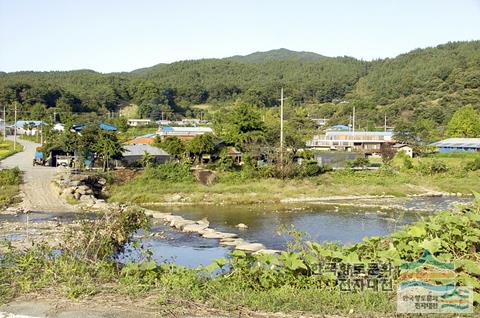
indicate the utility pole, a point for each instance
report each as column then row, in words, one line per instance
column 385, row 123
column 4, row 122
column 353, row 127
column 15, row 129
column 281, row 126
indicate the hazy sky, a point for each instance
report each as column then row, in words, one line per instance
column 122, row 35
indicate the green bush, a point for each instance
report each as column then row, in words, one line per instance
column 170, row 171
column 309, row 168
column 9, row 177
column 473, row 165
column 432, row 167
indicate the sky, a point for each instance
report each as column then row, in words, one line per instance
column 123, row 35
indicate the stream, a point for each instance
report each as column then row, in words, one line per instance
column 318, row 221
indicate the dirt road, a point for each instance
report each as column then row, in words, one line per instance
column 36, row 190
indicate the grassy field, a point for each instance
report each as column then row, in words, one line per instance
column 9, row 182
column 6, row 149
column 231, row 188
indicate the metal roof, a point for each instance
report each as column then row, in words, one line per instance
column 107, row 127
column 186, row 129
column 34, row 123
column 101, row 126
column 458, row 143
column 140, row 149
column 371, row 133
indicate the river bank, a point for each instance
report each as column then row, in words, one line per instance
column 232, row 189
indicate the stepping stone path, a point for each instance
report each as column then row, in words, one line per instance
column 201, row 227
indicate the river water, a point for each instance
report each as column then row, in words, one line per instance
column 322, row 223
column 319, row 222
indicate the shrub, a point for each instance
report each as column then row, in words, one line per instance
column 432, row 167
column 309, row 168
column 473, row 165
column 9, row 177
column 407, row 163
column 171, row 171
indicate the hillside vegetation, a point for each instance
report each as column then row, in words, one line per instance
column 426, row 83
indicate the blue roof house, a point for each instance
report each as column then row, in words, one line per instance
column 458, row 145
column 103, row 126
column 28, row 127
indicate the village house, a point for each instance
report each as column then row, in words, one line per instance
column 405, row 148
column 133, row 153
column 458, row 145
column 138, row 122
column 147, row 139
column 365, row 141
column 28, row 127
column 183, row 133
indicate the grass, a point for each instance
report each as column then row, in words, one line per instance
column 161, row 184
column 32, row 138
column 234, row 190
column 9, row 182
column 6, row 148
column 251, row 287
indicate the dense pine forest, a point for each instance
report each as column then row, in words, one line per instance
column 424, row 85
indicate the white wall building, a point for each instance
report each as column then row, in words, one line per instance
column 138, row 122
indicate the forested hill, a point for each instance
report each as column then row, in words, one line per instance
column 276, row 55
column 428, row 83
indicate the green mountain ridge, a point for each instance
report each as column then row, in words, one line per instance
column 428, row 83
column 281, row 54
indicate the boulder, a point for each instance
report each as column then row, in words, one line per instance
column 232, row 241
column 77, row 195
column 204, row 221
column 241, row 226
column 213, row 235
column 250, row 247
column 158, row 215
column 67, row 195
column 228, row 235
column 194, row 227
column 79, row 177
column 83, row 189
column 179, row 224
column 171, row 217
column 267, row 251
column 87, row 199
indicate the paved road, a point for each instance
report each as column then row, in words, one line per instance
column 38, row 195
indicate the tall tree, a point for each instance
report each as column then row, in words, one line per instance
column 465, row 123
column 202, row 144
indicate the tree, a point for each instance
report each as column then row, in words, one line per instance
column 173, row 145
column 147, row 159
column 202, row 144
column 298, row 129
column 107, row 147
column 465, row 123
column 242, row 124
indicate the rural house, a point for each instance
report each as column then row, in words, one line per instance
column 184, row 133
column 132, row 154
column 458, row 145
column 366, row 141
